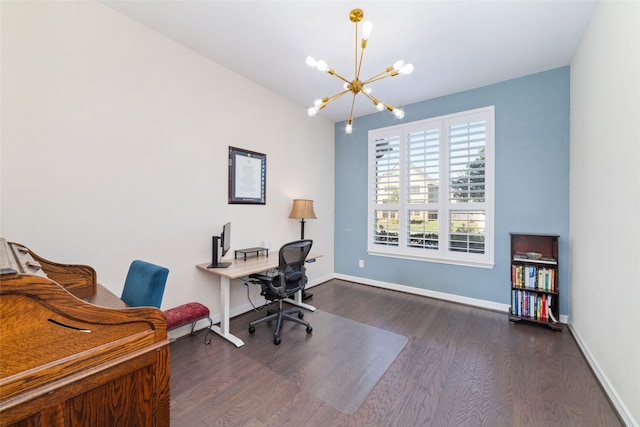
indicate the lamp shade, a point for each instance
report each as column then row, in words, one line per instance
column 302, row 208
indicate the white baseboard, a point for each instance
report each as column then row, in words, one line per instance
column 611, row 393
column 490, row 305
column 320, row 280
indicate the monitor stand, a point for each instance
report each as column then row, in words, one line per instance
column 215, row 263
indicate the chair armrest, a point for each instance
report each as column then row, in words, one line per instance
column 262, row 277
column 277, row 284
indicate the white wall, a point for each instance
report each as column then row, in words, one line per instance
column 114, row 148
column 605, row 201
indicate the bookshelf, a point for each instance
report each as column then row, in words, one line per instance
column 534, row 279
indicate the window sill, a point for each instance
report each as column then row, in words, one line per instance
column 453, row 261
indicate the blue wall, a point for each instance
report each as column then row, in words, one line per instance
column 531, row 175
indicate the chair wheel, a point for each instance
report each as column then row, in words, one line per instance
column 309, row 329
column 252, row 329
column 300, row 315
column 276, row 340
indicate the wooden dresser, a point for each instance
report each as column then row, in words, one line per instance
column 67, row 362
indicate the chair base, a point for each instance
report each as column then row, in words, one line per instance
column 293, row 315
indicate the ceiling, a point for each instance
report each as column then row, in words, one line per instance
column 453, row 45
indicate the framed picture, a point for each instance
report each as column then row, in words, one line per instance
column 247, row 177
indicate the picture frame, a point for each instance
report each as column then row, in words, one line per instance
column 247, row 177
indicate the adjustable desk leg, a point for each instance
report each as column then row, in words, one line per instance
column 298, row 302
column 223, row 329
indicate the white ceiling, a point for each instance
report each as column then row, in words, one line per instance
column 454, row 45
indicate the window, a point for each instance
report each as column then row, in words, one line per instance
column 431, row 189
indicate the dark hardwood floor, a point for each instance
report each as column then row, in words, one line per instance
column 462, row 366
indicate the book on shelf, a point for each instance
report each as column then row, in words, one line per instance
column 551, row 316
column 532, row 305
column 533, row 277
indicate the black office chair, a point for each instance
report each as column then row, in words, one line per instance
column 290, row 278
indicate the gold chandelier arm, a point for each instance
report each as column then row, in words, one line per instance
column 373, row 99
column 376, row 101
column 328, row 99
column 356, row 71
column 353, row 102
column 359, row 67
column 380, row 76
column 333, row 73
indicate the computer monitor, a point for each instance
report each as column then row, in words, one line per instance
column 225, row 238
column 223, row 241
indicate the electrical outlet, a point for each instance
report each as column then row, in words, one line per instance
column 361, row 263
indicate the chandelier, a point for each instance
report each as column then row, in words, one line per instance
column 356, row 85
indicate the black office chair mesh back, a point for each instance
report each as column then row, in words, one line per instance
column 290, row 279
column 291, row 263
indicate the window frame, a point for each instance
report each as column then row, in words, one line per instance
column 443, row 206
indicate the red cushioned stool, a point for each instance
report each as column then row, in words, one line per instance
column 188, row 313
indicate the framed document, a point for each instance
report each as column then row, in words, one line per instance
column 247, row 177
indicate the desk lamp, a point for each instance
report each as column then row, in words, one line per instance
column 302, row 209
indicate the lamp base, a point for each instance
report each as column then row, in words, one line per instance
column 302, row 221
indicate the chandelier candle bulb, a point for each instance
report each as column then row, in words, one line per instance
column 356, row 85
column 322, row 66
column 366, row 30
column 406, row 69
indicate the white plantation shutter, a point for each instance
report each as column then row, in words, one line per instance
column 467, row 143
column 431, row 186
column 467, row 231
column 423, row 152
column 466, row 147
column 387, row 189
column 423, row 187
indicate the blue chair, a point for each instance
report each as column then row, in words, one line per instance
column 144, row 286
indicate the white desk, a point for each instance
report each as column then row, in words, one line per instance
column 241, row 268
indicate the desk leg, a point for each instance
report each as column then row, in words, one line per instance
column 298, row 302
column 223, row 329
